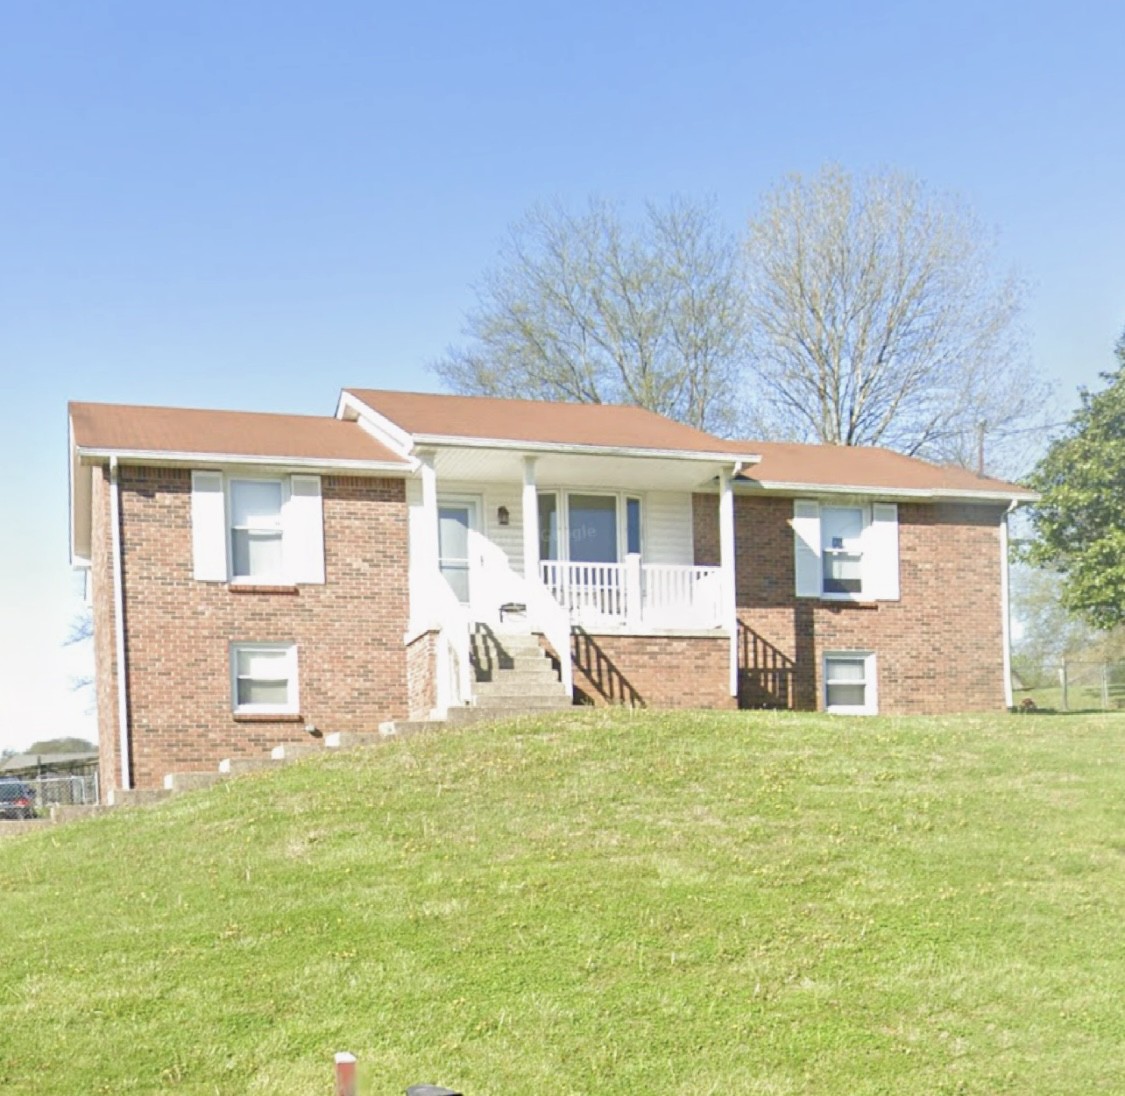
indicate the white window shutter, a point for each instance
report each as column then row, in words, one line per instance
column 208, row 527
column 880, row 553
column 302, row 520
column 806, row 539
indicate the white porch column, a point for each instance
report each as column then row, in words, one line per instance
column 428, row 534
column 530, row 522
column 726, row 566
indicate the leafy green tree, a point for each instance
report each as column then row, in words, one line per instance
column 1045, row 633
column 60, row 746
column 1080, row 520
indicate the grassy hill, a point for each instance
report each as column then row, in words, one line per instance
column 680, row 903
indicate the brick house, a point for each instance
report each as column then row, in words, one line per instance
column 276, row 572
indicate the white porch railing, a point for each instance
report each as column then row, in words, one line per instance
column 587, row 590
column 651, row 594
column 681, row 596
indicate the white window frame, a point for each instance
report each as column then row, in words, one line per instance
column 280, row 577
column 879, row 550
column 864, row 579
column 301, row 527
column 288, row 651
column 870, row 705
column 621, row 517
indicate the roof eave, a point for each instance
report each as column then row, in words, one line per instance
column 79, row 492
column 920, row 494
column 96, row 454
column 454, row 441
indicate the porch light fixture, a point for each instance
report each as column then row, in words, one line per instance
column 502, row 515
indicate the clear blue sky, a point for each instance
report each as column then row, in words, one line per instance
column 251, row 205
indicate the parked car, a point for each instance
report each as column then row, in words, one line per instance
column 17, row 799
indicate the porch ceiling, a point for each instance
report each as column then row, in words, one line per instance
column 577, row 469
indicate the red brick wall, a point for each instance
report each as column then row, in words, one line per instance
column 653, row 671
column 348, row 632
column 939, row 648
column 421, row 682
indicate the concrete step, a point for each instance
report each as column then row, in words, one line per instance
column 135, row 797
column 478, row 713
column 518, row 653
column 9, row 827
column 521, row 688
column 404, row 728
column 525, row 673
column 556, row 699
column 233, row 766
column 507, row 645
column 353, row 740
column 290, row 751
column 70, row 812
column 514, row 645
column 190, row 782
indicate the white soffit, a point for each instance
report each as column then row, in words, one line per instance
column 558, row 469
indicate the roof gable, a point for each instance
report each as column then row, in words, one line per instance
column 431, row 417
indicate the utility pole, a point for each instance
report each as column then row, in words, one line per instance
column 981, row 426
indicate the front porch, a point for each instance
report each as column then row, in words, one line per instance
column 590, row 553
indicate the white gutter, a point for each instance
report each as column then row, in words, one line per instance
column 1005, row 606
column 533, row 446
column 119, row 623
column 727, row 549
column 161, row 456
column 921, row 493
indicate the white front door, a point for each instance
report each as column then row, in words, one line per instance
column 458, row 523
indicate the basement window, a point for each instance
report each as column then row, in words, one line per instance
column 849, row 683
column 264, row 678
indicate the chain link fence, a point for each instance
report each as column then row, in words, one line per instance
column 63, row 791
column 1081, row 686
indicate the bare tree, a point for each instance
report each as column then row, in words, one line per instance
column 876, row 318
column 590, row 308
column 80, row 632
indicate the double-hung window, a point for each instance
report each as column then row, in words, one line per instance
column 849, row 683
column 264, row 679
column 256, row 549
column 846, row 551
column 841, row 549
column 251, row 529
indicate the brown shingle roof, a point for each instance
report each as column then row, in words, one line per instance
column 843, row 466
column 614, row 425
column 536, row 421
column 168, row 430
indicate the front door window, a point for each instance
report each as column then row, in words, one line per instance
column 455, row 519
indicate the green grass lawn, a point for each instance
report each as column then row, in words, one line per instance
column 676, row 904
